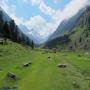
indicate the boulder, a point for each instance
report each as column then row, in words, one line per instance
column 27, row 64
column 62, row 65
column 11, row 75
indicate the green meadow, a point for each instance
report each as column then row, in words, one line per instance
column 43, row 73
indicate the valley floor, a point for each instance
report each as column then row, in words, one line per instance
column 43, row 73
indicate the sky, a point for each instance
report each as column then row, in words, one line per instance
column 42, row 17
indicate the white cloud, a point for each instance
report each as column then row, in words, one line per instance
column 73, row 7
column 46, row 28
column 46, row 9
column 43, row 7
column 38, row 23
column 36, row 2
column 57, row 1
column 18, row 20
column 9, row 9
column 33, row 2
column 70, row 10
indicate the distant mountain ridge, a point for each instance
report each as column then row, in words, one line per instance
column 66, row 25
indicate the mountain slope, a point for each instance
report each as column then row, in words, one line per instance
column 78, row 37
column 66, row 25
column 9, row 29
column 31, row 34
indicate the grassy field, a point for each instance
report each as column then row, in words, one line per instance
column 44, row 74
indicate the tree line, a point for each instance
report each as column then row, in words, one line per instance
column 10, row 30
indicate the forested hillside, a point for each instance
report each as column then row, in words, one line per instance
column 77, row 38
column 9, row 30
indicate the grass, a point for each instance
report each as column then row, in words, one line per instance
column 44, row 74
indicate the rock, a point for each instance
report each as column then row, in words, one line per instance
column 11, row 75
column 27, row 64
column 62, row 65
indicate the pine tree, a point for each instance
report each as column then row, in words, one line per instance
column 87, row 34
column 75, row 44
column 80, row 40
column 12, row 28
column 32, row 44
column 1, row 22
column 27, row 41
column 6, row 30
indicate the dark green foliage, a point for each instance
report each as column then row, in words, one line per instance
column 32, row 44
column 80, row 40
column 87, row 34
column 12, row 25
column 1, row 22
column 76, row 85
column 6, row 30
column 58, row 41
column 16, row 33
column 12, row 28
column 27, row 41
